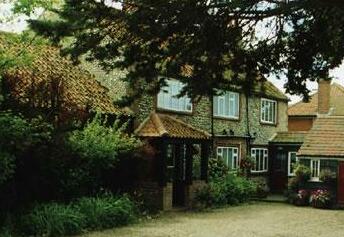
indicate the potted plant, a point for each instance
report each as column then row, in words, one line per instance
column 302, row 198
column 320, row 198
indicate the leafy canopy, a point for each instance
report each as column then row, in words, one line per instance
column 206, row 44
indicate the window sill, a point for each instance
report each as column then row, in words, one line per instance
column 317, row 180
column 226, row 118
column 259, row 172
column 268, row 124
column 171, row 111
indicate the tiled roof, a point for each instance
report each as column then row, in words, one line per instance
column 311, row 108
column 326, row 138
column 78, row 89
column 289, row 137
column 161, row 125
column 268, row 89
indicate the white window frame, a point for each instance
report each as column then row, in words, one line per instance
column 264, row 160
column 233, row 110
column 265, row 118
column 167, row 97
column 317, row 163
column 289, row 162
column 234, row 154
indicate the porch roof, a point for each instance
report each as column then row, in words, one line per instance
column 289, row 137
column 162, row 125
column 325, row 139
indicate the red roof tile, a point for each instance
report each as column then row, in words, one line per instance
column 160, row 125
column 311, row 108
column 326, row 138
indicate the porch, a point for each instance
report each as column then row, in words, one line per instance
column 180, row 163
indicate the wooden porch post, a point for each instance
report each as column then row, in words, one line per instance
column 205, row 147
column 162, row 169
column 189, row 162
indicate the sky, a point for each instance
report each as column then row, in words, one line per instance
column 19, row 24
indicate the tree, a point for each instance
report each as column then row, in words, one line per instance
column 206, row 44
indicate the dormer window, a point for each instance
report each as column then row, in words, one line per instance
column 168, row 97
column 268, row 112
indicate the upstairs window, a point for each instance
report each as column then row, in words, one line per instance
column 230, row 155
column 260, row 156
column 168, row 97
column 227, row 105
column 268, row 111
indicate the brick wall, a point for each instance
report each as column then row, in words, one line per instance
column 324, row 96
column 300, row 123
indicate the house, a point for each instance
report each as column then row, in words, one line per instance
column 180, row 134
column 315, row 138
column 184, row 133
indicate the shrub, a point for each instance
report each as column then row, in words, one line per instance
column 302, row 173
column 52, row 220
column 106, row 211
column 327, row 176
column 217, row 169
column 320, row 198
column 101, row 145
column 246, row 164
column 230, row 190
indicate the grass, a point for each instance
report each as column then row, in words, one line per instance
column 256, row 219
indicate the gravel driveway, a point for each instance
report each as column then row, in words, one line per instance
column 256, row 220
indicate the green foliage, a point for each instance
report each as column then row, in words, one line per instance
column 52, row 220
column 230, row 190
column 18, row 135
column 217, row 169
column 100, row 145
column 7, row 166
column 87, row 213
column 304, row 41
column 106, row 211
column 302, row 173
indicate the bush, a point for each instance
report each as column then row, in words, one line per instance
column 302, row 173
column 230, row 190
column 320, row 198
column 106, row 212
column 101, row 145
column 52, row 220
column 217, row 169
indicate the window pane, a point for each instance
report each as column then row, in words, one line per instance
column 167, row 97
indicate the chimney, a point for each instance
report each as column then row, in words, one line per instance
column 324, row 90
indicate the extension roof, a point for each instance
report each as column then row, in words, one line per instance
column 48, row 72
column 325, row 139
column 311, row 108
column 289, row 137
column 161, row 125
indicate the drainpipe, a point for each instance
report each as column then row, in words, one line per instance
column 212, row 125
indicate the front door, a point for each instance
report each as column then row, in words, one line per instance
column 279, row 177
column 341, row 183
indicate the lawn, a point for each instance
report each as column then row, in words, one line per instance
column 256, row 220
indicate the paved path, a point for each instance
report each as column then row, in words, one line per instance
column 253, row 220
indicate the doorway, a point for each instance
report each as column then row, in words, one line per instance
column 340, row 194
